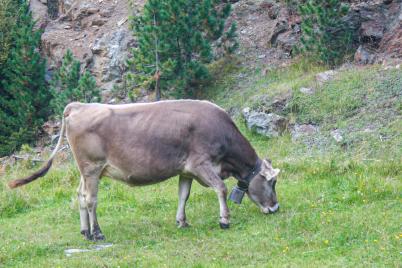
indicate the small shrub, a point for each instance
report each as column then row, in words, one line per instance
column 325, row 34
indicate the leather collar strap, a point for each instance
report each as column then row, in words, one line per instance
column 244, row 183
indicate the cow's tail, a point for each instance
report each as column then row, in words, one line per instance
column 45, row 168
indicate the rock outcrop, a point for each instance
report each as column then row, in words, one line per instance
column 267, row 124
column 303, row 131
column 96, row 31
column 379, row 27
column 266, row 31
column 326, row 76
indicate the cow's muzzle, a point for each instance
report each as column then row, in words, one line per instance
column 270, row 210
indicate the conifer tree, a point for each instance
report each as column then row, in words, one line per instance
column 174, row 43
column 69, row 85
column 24, row 96
column 325, row 34
column 88, row 92
column 7, row 21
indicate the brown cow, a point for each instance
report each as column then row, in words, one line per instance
column 142, row 144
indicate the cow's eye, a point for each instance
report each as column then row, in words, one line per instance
column 273, row 185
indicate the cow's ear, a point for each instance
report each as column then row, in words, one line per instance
column 267, row 163
column 276, row 172
column 269, row 173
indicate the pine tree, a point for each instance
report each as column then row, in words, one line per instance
column 325, row 34
column 69, row 85
column 7, row 22
column 88, row 92
column 64, row 82
column 24, row 96
column 174, row 43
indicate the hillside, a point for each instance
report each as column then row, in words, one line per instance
column 339, row 200
column 337, row 138
column 361, row 104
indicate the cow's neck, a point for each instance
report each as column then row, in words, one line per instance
column 246, row 169
column 252, row 173
column 244, row 165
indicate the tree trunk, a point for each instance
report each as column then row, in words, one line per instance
column 157, row 73
column 157, row 88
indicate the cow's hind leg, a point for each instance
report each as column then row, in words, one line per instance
column 91, row 172
column 91, row 198
column 84, row 216
column 205, row 172
column 184, row 193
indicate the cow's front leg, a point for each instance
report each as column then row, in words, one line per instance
column 84, row 217
column 184, row 193
column 209, row 177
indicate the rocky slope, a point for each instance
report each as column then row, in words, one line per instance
column 379, row 25
column 97, row 31
column 268, row 30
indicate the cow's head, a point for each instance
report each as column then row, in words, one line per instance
column 262, row 188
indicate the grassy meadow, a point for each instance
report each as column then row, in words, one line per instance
column 341, row 204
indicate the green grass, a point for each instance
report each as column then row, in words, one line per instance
column 340, row 206
column 237, row 86
column 334, row 212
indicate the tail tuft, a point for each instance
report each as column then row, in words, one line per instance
column 14, row 184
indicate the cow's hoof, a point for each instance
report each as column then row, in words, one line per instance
column 98, row 237
column 87, row 235
column 182, row 224
column 224, row 225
